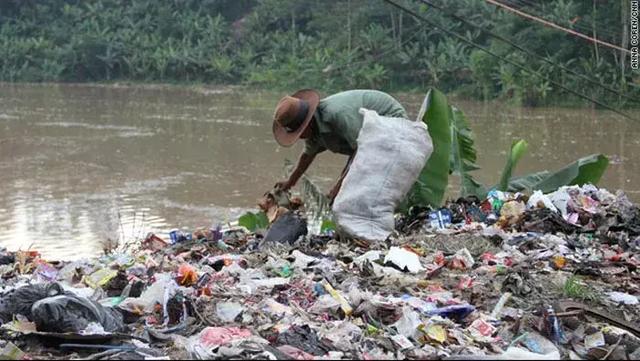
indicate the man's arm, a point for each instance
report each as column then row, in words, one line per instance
column 303, row 164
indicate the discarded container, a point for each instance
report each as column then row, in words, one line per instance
column 594, row 340
column 500, row 305
column 154, row 243
column 440, row 219
column 552, row 326
column 481, row 328
column 178, row 236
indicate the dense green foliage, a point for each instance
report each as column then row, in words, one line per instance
column 329, row 44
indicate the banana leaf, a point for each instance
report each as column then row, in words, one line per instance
column 527, row 182
column 585, row 170
column 518, row 148
column 432, row 183
column 463, row 154
column 254, row 221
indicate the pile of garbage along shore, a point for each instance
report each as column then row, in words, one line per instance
column 513, row 276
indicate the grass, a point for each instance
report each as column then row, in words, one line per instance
column 575, row 288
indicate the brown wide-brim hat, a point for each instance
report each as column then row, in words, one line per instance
column 293, row 115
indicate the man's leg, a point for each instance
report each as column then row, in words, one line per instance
column 336, row 188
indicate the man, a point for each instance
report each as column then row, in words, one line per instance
column 332, row 123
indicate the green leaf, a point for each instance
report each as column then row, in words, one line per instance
column 527, row 182
column 327, row 225
column 432, row 182
column 253, row 221
column 518, row 148
column 463, row 154
column 585, row 170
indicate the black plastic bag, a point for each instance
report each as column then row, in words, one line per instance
column 19, row 301
column 303, row 338
column 6, row 257
column 70, row 313
column 287, row 229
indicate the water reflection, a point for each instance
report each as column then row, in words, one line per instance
column 79, row 164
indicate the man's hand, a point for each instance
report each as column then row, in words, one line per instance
column 303, row 163
column 283, row 185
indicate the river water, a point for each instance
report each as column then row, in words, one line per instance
column 83, row 163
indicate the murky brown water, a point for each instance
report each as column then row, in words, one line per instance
column 79, row 164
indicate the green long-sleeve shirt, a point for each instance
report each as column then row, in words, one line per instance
column 338, row 121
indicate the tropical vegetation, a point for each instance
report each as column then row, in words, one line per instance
column 454, row 154
column 329, row 45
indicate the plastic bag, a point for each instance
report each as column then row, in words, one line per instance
column 391, row 153
column 223, row 343
column 342, row 335
column 20, row 300
column 70, row 313
column 287, row 229
column 216, row 336
column 303, row 338
column 408, row 324
column 153, row 295
column 228, row 311
column 100, row 277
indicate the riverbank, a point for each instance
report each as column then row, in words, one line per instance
column 151, row 160
column 493, row 283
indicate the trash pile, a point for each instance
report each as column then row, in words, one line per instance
column 509, row 277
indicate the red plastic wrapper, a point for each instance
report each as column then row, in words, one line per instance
column 216, row 336
column 465, row 283
column 187, row 275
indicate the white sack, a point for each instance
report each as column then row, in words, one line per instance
column 391, row 154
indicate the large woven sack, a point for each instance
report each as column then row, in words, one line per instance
column 391, row 153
